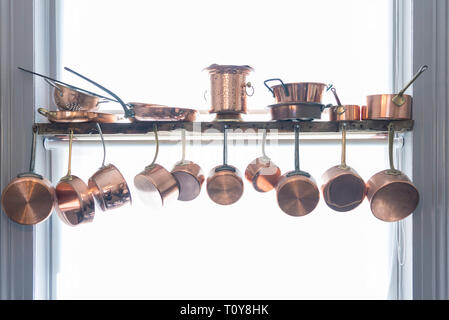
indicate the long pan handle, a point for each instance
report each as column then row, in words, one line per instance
column 67, row 85
column 128, row 112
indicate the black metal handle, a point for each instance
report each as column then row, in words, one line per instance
column 129, row 113
column 276, row 79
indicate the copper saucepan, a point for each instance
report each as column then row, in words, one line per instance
column 75, row 203
column 296, row 91
column 343, row 189
column 343, row 112
column 224, row 183
column 188, row 174
column 262, row 173
column 29, row 198
column 156, row 185
column 297, row 193
column 391, row 106
column 108, row 185
column 146, row 112
column 392, row 195
column 70, row 98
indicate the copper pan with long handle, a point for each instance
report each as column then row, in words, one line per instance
column 392, row 195
column 29, row 199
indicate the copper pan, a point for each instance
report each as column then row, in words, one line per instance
column 297, row 193
column 156, row 185
column 342, row 112
column 262, row 173
column 343, row 189
column 29, row 198
column 108, row 185
column 296, row 92
column 392, row 195
column 392, row 106
column 65, row 116
column 75, row 203
column 188, row 174
column 224, row 184
column 137, row 111
column 70, row 98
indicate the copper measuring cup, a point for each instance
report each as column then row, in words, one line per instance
column 224, row 183
column 188, row 174
column 343, row 189
column 108, row 185
column 392, row 195
column 296, row 192
column 29, row 198
column 75, row 203
column 262, row 173
column 156, row 185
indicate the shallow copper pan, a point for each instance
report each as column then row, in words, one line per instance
column 65, row 116
column 156, row 112
column 299, row 111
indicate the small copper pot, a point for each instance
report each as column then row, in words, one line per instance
column 344, row 113
column 343, row 189
column 296, row 92
column 262, row 173
column 392, row 106
column 224, row 183
column 392, row 195
column 297, row 193
column 75, row 203
column 29, row 198
column 155, row 184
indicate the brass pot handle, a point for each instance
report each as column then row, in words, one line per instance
column 44, row 112
column 249, row 85
column 398, row 99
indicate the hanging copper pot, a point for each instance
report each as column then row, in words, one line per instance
column 224, row 184
column 392, row 195
column 343, row 188
column 75, row 203
column 262, row 173
column 29, row 198
column 188, row 174
column 108, row 185
column 297, row 193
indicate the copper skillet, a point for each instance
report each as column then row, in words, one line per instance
column 70, row 98
column 156, row 185
column 392, row 195
column 146, row 112
column 77, row 116
column 29, row 198
column 297, row 193
column 224, row 183
column 343, row 189
column 108, row 185
column 75, row 203
column 188, row 174
column 262, row 173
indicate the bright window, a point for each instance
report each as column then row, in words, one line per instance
column 154, row 51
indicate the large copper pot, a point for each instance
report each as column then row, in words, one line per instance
column 29, row 198
column 296, row 92
column 228, row 90
column 391, row 106
column 392, row 195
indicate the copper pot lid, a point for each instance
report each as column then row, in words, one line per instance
column 220, row 68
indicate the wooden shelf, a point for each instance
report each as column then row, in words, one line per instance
column 281, row 126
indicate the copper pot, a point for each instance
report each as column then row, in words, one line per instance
column 392, row 195
column 391, row 106
column 342, row 112
column 297, row 111
column 29, row 198
column 228, row 89
column 224, row 184
column 296, row 91
column 188, row 174
column 297, row 193
column 343, row 189
column 108, row 185
column 262, row 173
column 70, row 98
column 156, row 185
column 75, row 203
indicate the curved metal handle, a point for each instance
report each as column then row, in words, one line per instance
column 334, row 91
column 43, row 112
column 52, row 83
column 343, row 147
column 264, row 141
column 68, row 176
column 33, row 151
column 420, row 71
column 103, row 143
column 392, row 170
column 271, row 90
column 225, row 145
column 129, row 113
column 249, row 85
column 297, row 128
column 157, row 148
